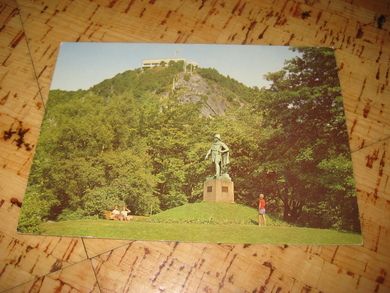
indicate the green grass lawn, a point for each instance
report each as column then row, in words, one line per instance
column 202, row 222
column 234, row 233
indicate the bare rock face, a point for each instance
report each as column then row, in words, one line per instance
column 192, row 88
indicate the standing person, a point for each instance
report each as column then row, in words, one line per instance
column 262, row 221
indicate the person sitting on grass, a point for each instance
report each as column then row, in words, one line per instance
column 262, row 221
column 124, row 213
column 115, row 213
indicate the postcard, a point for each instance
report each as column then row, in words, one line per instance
column 194, row 143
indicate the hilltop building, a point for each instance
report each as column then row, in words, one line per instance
column 149, row 63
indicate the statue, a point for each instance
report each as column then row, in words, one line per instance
column 220, row 156
column 219, row 188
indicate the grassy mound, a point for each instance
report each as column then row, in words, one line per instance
column 213, row 213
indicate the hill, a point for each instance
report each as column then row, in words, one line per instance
column 213, row 213
column 215, row 92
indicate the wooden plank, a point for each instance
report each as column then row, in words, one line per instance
column 372, row 171
column 152, row 266
column 163, row 266
column 23, row 257
column 79, row 277
column 105, row 245
column 365, row 93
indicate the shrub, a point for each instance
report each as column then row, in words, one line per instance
column 68, row 214
column 34, row 210
column 174, row 199
column 98, row 200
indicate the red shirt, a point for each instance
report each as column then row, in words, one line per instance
column 262, row 204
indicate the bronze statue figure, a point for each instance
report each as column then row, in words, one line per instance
column 220, row 156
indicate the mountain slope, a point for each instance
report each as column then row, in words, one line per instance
column 196, row 89
column 215, row 92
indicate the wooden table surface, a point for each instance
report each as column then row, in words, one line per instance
column 30, row 34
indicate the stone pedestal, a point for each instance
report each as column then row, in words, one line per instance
column 218, row 190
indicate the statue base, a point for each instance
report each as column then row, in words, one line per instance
column 218, row 190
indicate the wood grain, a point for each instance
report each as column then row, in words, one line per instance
column 64, row 280
column 105, row 245
column 22, row 257
column 31, row 32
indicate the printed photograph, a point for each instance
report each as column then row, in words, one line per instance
column 194, row 143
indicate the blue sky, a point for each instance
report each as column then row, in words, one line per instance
column 82, row 65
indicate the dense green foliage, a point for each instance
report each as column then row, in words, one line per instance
column 308, row 158
column 130, row 141
column 232, row 89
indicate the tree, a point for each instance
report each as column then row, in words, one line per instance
column 304, row 106
column 129, row 177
